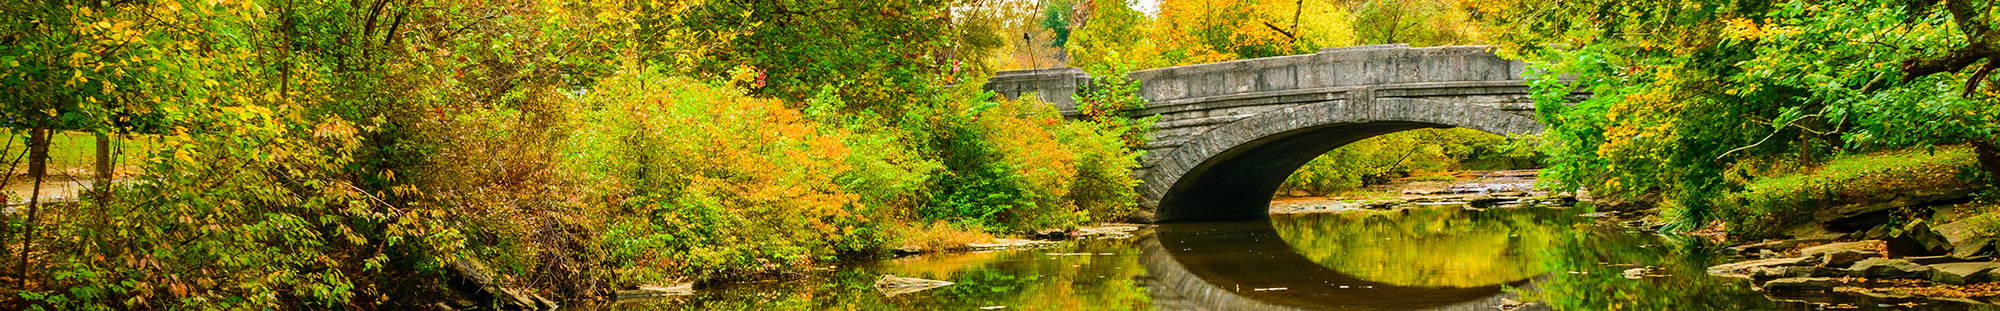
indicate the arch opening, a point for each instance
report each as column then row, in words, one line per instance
column 1232, row 171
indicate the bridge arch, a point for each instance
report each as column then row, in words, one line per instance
column 1233, row 170
column 1229, row 133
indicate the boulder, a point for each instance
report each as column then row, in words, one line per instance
column 1929, row 239
column 1840, row 255
column 1965, row 238
column 1799, row 285
column 1914, row 239
column 1960, row 273
column 1884, row 268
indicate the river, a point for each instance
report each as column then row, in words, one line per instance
column 1443, row 257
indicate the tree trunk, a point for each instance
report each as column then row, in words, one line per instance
column 38, row 166
column 1989, row 158
column 102, row 178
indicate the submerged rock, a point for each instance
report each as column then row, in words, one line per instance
column 891, row 285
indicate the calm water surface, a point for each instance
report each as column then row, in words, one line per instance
column 1443, row 258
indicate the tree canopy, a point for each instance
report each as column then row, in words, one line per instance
column 1686, row 96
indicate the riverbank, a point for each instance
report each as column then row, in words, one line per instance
column 1905, row 242
column 1909, row 224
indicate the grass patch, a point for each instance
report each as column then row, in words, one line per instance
column 73, row 153
column 1769, row 204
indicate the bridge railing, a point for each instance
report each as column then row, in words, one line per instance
column 1294, row 78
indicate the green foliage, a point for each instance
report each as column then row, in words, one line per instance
column 872, row 53
column 323, row 154
column 1115, row 36
column 1709, row 85
column 1377, row 159
column 1056, row 17
column 1015, row 164
column 1416, row 22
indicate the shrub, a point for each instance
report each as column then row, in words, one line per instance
column 709, row 183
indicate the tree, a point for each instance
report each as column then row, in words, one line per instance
column 1417, row 22
column 1683, row 91
column 873, row 53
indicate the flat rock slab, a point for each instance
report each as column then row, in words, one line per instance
column 1884, row 268
column 1779, row 245
column 1742, row 269
column 1840, row 255
column 1781, row 272
column 1960, row 273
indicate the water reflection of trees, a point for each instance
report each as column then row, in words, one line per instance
column 1429, row 247
column 1004, row 278
column 1591, row 263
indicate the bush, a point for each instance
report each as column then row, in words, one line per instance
column 1017, row 165
column 709, row 183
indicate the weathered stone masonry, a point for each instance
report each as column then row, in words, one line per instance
column 1235, row 129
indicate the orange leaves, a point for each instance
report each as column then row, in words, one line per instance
column 720, row 179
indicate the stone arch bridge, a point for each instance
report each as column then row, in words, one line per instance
column 1229, row 133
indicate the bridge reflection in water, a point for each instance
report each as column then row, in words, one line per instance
column 1222, row 265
